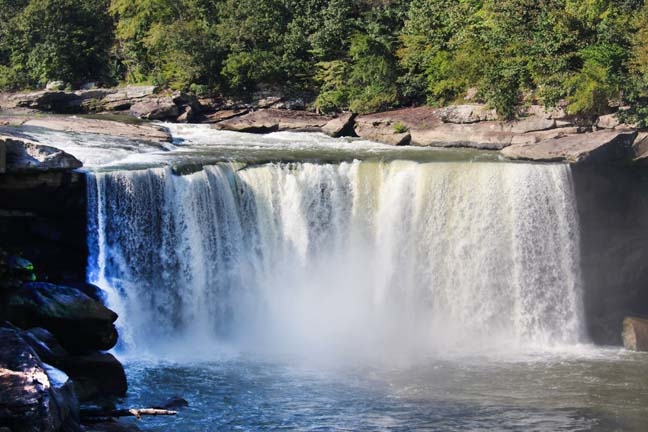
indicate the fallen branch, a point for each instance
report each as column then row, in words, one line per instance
column 134, row 412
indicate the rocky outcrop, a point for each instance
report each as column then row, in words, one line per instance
column 273, row 120
column 635, row 334
column 94, row 373
column 78, row 322
column 124, row 97
column 141, row 101
column 385, row 130
column 139, row 132
column 25, row 156
column 594, row 147
column 34, row 397
column 471, row 126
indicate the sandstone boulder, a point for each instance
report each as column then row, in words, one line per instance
column 594, row 147
column 29, row 156
column 161, row 108
column 340, row 126
column 386, row 131
column 635, row 334
column 78, row 322
column 34, row 396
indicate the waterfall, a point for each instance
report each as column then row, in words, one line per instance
column 370, row 257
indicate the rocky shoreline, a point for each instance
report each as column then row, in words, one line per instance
column 55, row 330
column 536, row 135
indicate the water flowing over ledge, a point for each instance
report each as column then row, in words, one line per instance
column 363, row 259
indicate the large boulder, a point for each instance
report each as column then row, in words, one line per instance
column 340, row 126
column 635, row 334
column 24, row 155
column 594, row 147
column 159, row 108
column 45, row 345
column 386, row 131
column 272, row 120
column 96, row 374
column 80, row 323
column 34, row 397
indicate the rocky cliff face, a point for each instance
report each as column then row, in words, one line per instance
column 613, row 213
column 43, row 217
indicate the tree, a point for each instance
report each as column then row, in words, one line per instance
column 65, row 40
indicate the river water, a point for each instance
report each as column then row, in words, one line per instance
column 299, row 282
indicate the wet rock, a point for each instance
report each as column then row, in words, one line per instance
column 635, row 334
column 96, row 374
column 595, row 147
column 34, row 397
column 80, row 323
column 340, row 126
column 91, row 290
column 29, row 156
column 45, row 345
column 173, row 404
column 272, row 120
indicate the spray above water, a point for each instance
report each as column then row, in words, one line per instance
column 361, row 259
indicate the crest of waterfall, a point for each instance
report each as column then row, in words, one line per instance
column 363, row 257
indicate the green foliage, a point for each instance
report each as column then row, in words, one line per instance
column 364, row 55
column 66, row 40
column 400, row 128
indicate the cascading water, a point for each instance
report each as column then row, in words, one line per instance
column 351, row 257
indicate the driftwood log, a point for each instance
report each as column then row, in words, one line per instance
column 131, row 412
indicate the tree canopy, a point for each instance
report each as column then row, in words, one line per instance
column 590, row 56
